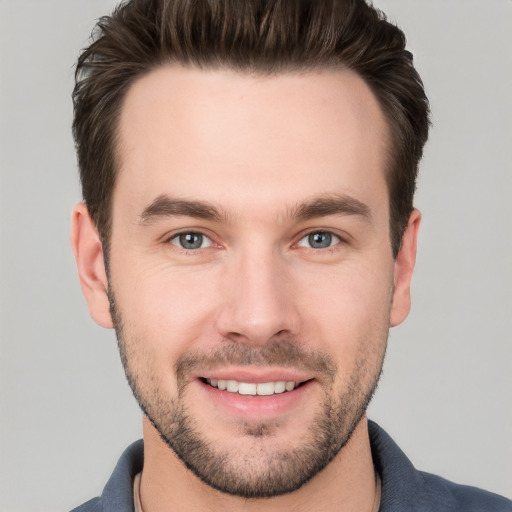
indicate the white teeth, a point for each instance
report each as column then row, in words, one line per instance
column 247, row 388
column 280, row 387
column 265, row 388
column 232, row 386
column 290, row 386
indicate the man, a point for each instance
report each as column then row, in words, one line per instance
column 248, row 229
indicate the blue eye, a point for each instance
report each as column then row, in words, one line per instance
column 319, row 240
column 191, row 241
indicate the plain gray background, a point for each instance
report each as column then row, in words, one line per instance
column 446, row 395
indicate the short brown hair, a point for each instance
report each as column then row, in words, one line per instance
column 254, row 36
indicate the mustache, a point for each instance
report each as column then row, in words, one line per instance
column 284, row 353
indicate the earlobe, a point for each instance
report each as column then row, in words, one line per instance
column 403, row 270
column 88, row 251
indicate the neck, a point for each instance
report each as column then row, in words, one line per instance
column 347, row 483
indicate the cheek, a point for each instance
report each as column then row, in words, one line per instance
column 161, row 320
column 347, row 310
column 167, row 309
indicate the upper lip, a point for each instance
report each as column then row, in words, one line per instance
column 256, row 375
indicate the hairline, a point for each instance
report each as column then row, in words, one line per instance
column 390, row 145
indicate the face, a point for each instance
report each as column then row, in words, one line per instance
column 252, row 282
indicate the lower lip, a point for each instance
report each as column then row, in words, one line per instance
column 258, row 407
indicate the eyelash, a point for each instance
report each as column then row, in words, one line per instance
column 332, row 237
column 177, row 237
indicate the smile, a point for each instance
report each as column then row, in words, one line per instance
column 251, row 388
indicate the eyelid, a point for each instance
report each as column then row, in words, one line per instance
column 171, row 237
column 340, row 239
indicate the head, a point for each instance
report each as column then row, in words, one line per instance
column 250, row 168
column 258, row 37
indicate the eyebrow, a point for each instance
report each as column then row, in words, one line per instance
column 165, row 206
column 322, row 206
column 331, row 204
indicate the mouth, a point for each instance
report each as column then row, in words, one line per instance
column 253, row 388
column 255, row 395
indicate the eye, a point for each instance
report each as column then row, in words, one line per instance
column 191, row 241
column 319, row 240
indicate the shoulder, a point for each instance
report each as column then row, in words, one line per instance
column 405, row 488
column 117, row 495
column 442, row 495
column 93, row 505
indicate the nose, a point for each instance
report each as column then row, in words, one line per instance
column 257, row 301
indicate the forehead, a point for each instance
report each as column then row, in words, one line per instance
column 235, row 138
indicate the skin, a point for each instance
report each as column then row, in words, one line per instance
column 254, row 148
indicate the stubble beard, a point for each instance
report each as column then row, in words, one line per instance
column 257, row 473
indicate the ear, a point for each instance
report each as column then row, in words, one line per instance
column 403, row 268
column 88, row 251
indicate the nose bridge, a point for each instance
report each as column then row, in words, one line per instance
column 258, row 305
